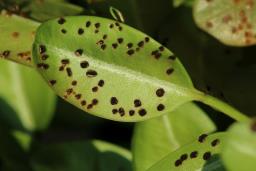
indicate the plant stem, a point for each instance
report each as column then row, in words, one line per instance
column 223, row 107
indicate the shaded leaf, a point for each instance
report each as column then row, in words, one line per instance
column 155, row 138
column 231, row 22
column 26, row 101
column 194, row 156
column 17, row 40
column 239, row 147
column 89, row 156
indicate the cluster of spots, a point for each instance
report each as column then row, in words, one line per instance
column 5, row 54
column 137, row 105
column 194, row 154
column 25, row 56
column 244, row 26
column 44, row 57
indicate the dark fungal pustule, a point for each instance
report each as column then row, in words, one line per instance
column 52, row 82
column 120, row 28
column 74, row 83
column 130, row 52
column 117, row 24
column 129, row 45
column 61, row 20
column 137, row 103
column 113, row 101
column 103, row 47
column 207, row 155
column 105, row 36
column 89, row 106
column 120, row 40
column 65, row 61
column 97, row 25
column 215, row 142
column 160, row 92
column 114, row 45
column 161, row 48
column 6, row 53
column 88, row 23
column 101, row 83
column 253, row 126
column 114, row 111
column 91, row 73
column 84, row 64
column 131, row 112
column 95, row 101
column 42, row 49
column 160, row 107
column 78, row 96
column 121, row 111
column 69, row 71
column 142, row 112
column 43, row 66
column 95, row 89
column 177, row 163
column 100, row 42
column 193, row 154
column 83, row 102
column 96, row 31
column 147, row 39
column 44, row 57
column 61, row 68
column 183, row 157
column 79, row 52
column 111, row 26
column 141, row 44
column 169, row 71
column 202, row 138
column 172, row 57
column 69, row 91
column 80, row 31
column 63, row 31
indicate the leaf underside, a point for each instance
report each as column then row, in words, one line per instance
column 230, row 21
column 109, row 69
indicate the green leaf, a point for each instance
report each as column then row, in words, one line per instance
column 201, row 154
column 239, row 147
column 89, row 156
column 17, row 33
column 231, row 22
column 88, row 72
column 166, row 134
column 26, row 101
column 177, row 3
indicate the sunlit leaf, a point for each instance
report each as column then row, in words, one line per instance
column 230, row 21
column 239, row 148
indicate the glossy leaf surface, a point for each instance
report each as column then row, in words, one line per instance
column 230, row 21
column 155, row 138
column 86, row 59
column 239, row 149
column 199, row 155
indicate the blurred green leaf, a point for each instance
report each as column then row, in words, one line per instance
column 230, row 21
column 17, row 33
column 155, row 138
column 194, row 156
column 26, row 101
column 239, row 147
column 177, row 3
column 81, row 156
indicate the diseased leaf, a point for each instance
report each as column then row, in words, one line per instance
column 239, row 147
column 230, row 21
column 201, row 154
column 103, row 55
column 155, row 138
column 89, row 156
column 17, row 35
column 26, row 101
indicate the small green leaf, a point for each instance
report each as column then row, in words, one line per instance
column 230, row 21
column 16, row 37
column 103, row 55
column 239, row 147
column 26, row 101
column 199, row 155
column 167, row 133
column 87, row 156
column 177, row 3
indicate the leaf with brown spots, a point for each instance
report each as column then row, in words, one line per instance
column 16, row 37
column 118, row 68
column 194, row 156
column 231, row 21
